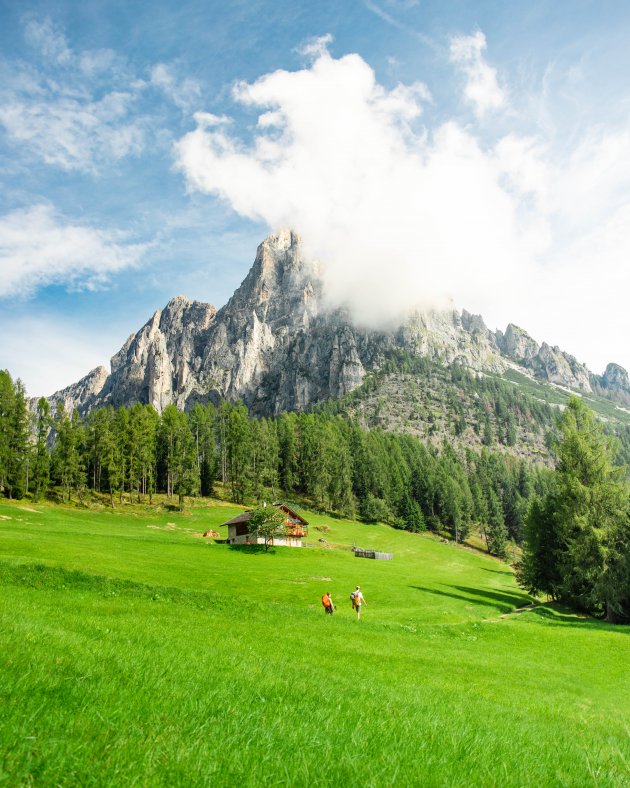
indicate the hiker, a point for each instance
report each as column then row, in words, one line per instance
column 328, row 603
column 357, row 600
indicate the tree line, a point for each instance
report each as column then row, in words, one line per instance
column 379, row 476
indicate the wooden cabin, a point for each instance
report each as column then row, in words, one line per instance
column 295, row 525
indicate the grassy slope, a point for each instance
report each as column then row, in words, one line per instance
column 143, row 654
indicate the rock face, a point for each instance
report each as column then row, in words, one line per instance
column 83, row 395
column 518, row 344
column 615, row 378
column 274, row 346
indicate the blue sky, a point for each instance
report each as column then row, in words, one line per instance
column 424, row 150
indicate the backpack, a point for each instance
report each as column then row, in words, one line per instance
column 326, row 602
column 352, row 596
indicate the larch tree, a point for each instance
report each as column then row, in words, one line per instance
column 41, row 459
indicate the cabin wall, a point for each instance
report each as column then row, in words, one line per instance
column 280, row 541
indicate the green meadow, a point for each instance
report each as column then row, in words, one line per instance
column 133, row 651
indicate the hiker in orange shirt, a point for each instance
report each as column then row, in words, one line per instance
column 328, row 603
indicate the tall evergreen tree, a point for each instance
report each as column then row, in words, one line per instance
column 496, row 532
column 202, row 427
column 68, row 462
column 583, row 523
column 41, row 459
column 19, row 443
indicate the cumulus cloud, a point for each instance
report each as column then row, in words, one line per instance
column 343, row 159
column 402, row 214
column 38, row 247
column 481, row 88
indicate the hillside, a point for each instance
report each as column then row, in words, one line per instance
column 513, row 412
column 133, row 650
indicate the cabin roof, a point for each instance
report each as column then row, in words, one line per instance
column 243, row 517
column 293, row 515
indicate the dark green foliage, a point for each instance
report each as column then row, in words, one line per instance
column 15, row 444
column 178, row 453
column 202, row 426
column 68, row 456
column 410, row 515
column 539, row 571
column 41, row 459
column 578, row 537
column 496, row 532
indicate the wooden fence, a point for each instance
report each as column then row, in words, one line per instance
column 359, row 553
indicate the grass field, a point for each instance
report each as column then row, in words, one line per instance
column 135, row 652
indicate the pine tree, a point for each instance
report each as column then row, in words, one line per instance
column 7, row 399
column 496, row 530
column 287, row 447
column 239, row 452
column 41, row 460
column 410, row 515
column 99, row 439
column 202, row 427
column 578, row 538
column 19, row 457
column 67, row 454
column 539, row 570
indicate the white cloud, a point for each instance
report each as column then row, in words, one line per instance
column 84, row 110
column 37, row 248
column 343, row 165
column 315, row 47
column 404, row 215
column 46, row 37
column 184, row 93
column 482, row 88
column 78, row 111
column 73, row 133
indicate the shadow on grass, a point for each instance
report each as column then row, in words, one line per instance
column 252, row 549
column 554, row 614
column 557, row 615
column 502, row 601
column 497, row 571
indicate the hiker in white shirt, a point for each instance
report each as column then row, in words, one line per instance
column 358, row 600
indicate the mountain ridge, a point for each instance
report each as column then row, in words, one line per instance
column 275, row 346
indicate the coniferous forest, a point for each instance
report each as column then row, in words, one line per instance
column 573, row 524
column 132, row 453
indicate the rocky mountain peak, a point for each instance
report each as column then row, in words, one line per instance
column 517, row 343
column 277, row 347
column 473, row 323
column 280, row 281
column 615, row 378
